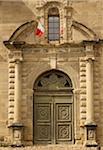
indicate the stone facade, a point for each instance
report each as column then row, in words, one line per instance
column 26, row 58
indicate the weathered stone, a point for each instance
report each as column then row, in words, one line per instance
column 81, row 27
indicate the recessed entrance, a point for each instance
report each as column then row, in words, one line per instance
column 53, row 109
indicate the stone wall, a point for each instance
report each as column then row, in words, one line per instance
column 3, row 100
column 100, row 117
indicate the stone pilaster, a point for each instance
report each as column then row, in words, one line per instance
column 11, row 90
column 76, row 93
column 16, row 127
column 90, row 125
column 69, row 12
column 82, row 91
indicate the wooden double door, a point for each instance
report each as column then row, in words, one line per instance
column 53, row 119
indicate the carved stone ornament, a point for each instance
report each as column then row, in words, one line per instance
column 16, row 134
column 53, row 81
column 91, row 135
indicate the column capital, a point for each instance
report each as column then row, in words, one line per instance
column 15, row 56
column 89, row 47
column 18, row 56
column 90, row 51
column 89, row 58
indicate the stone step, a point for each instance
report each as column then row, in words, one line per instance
column 51, row 147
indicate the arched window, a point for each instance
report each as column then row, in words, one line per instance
column 53, row 24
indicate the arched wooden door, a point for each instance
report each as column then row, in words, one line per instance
column 53, row 109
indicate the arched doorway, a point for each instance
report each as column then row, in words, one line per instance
column 53, row 109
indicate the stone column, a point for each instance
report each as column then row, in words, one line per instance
column 17, row 125
column 17, row 92
column 89, row 90
column 90, row 124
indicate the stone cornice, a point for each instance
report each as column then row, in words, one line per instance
column 12, row 46
column 84, row 46
column 21, row 44
column 92, row 42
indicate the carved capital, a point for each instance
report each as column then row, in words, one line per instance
column 89, row 58
column 15, row 56
column 89, row 47
column 18, row 56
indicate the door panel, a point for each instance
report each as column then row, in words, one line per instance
column 63, row 112
column 63, row 124
column 43, row 121
column 53, row 119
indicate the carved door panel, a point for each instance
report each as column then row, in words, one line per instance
column 43, row 116
column 63, row 119
column 53, row 122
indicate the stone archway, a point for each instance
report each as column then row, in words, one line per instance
column 53, row 109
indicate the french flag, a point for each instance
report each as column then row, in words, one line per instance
column 40, row 30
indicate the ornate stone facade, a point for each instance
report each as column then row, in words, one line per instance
column 54, row 86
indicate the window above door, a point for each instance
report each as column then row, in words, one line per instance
column 53, row 24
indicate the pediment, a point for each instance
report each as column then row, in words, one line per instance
column 26, row 33
column 83, row 32
column 77, row 31
column 23, row 32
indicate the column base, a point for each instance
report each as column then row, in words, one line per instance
column 16, row 134
column 90, row 135
column 91, row 144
